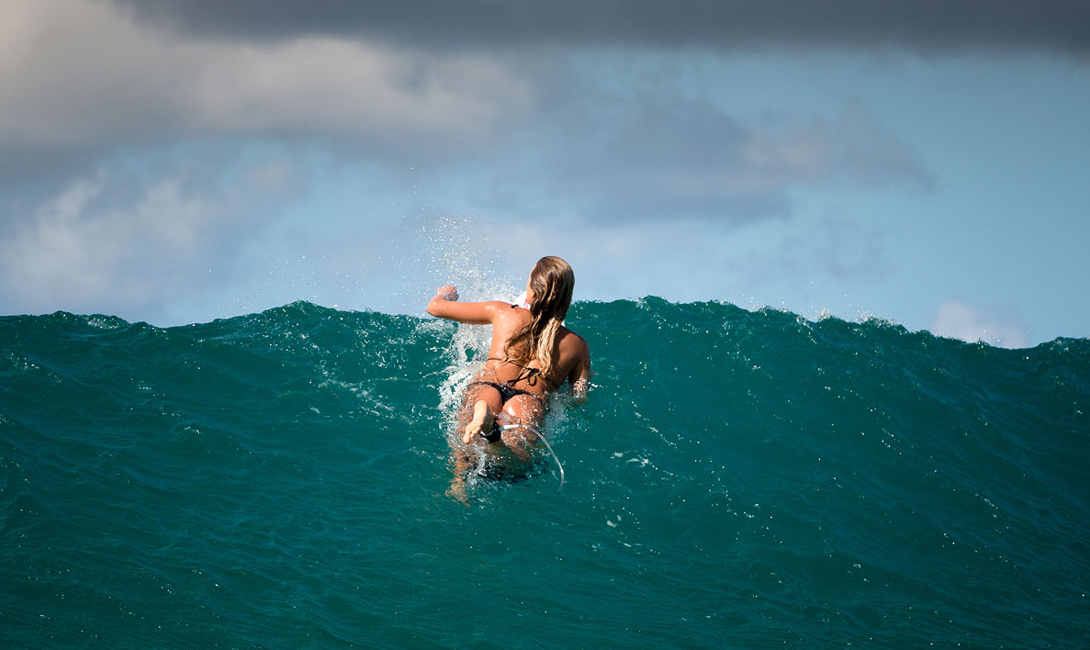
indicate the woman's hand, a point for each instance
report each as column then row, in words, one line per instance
column 447, row 292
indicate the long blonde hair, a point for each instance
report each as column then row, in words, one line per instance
column 552, row 282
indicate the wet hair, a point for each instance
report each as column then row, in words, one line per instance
column 552, row 282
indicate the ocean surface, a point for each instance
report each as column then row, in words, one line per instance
column 737, row 479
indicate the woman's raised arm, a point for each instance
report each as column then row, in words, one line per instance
column 445, row 305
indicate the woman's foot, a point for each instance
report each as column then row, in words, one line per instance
column 482, row 421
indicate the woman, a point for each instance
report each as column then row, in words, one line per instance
column 531, row 355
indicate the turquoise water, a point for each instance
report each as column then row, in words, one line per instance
column 737, row 479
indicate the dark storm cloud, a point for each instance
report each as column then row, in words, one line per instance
column 927, row 25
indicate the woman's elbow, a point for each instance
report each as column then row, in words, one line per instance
column 434, row 307
column 579, row 390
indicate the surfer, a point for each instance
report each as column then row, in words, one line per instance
column 531, row 355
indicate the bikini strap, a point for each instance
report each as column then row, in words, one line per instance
column 526, row 374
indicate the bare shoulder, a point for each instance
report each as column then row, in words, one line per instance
column 573, row 344
column 507, row 319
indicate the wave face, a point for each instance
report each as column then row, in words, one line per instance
column 737, row 479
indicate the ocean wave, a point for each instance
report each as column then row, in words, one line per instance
column 738, row 478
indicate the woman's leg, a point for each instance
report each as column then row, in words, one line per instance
column 465, row 458
column 525, row 411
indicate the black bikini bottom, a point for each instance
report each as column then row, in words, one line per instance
column 506, row 391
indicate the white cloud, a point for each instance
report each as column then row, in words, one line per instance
column 71, row 256
column 996, row 326
column 80, row 73
column 99, row 245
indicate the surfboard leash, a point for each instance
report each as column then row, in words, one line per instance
column 547, row 446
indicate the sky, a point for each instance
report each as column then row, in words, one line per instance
column 920, row 162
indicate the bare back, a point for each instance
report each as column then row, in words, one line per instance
column 569, row 355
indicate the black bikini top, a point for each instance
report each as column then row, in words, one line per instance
column 527, row 373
